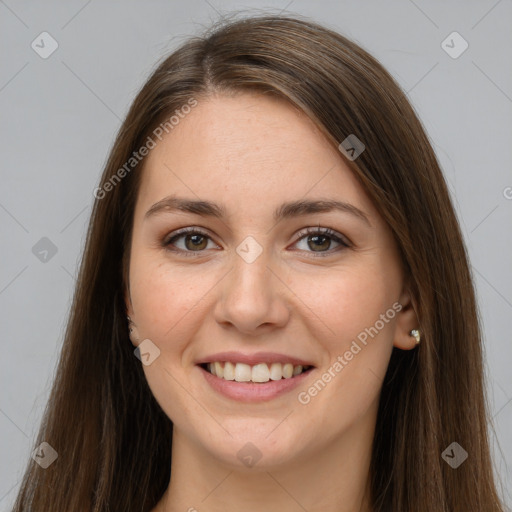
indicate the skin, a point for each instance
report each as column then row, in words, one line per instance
column 236, row 150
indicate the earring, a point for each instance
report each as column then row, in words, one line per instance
column 416, row 334
column 133, row 331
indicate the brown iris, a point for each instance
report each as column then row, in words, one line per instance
column 198, row 242
column 316, row 237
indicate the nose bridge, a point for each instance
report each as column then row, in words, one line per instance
column 250, row 268
column 251, row 295
column 251, row 277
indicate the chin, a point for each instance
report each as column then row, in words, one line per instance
column 261, row 446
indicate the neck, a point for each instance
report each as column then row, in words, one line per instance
column 332, row 480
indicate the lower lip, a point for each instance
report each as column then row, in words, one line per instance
column 253, row 392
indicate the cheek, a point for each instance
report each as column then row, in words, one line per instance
column 345, row 302
column 165, row 297
column 354, row 323
column 166, row 301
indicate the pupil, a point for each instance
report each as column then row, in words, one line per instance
column 196, row 241
column 316, row 237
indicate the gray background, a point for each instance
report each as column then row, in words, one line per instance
column 60, row 114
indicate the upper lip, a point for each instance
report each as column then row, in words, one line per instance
column 253, row 359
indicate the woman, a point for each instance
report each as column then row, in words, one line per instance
column 274, row 309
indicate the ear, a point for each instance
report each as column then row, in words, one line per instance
column 132, row 327
column 406, row 321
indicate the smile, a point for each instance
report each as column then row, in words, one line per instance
column 260, row 382
column 258, row 373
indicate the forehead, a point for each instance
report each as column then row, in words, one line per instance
column 241, row 149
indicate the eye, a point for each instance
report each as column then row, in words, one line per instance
column 191, row 241
column 194, row 241
column 319, row 240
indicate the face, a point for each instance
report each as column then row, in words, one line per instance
column 264, row 284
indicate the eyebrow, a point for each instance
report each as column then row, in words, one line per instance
column 288, row 210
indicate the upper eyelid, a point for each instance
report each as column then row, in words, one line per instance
column 186, row 231
column 323, row 231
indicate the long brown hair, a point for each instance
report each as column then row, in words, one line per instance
column 112, row 438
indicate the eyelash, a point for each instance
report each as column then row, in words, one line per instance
column 168, row 241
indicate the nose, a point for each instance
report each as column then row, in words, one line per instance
column 253, row 297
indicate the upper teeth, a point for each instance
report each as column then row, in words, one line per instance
column 261, row 372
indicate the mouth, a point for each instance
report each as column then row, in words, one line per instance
column 260, row 373
column 254, row 383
